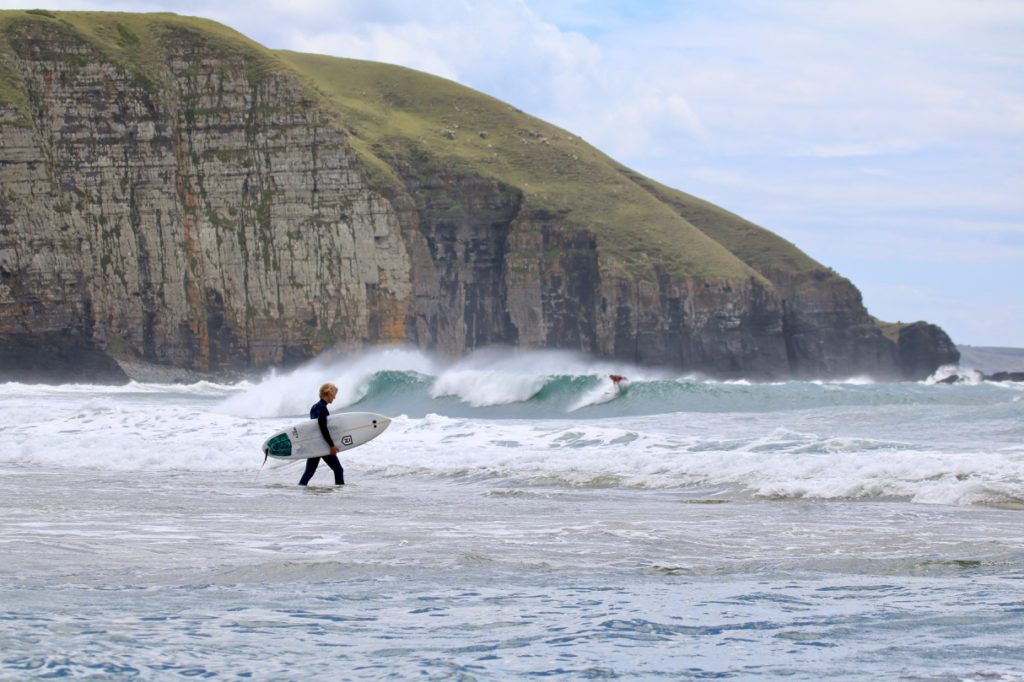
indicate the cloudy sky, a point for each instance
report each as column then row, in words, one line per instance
column 883, row 137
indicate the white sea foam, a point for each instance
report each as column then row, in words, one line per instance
column 960, row 375
column 773, row 441
column 781, row 464
column 850, row 381
column 292, row 393
column 604, row 392
column 108, row 433
column 488, row 377
column 482, row 388
column 550, row 362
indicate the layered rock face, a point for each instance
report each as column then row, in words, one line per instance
column 203, row 210
column 204, row 216
column 488, row 269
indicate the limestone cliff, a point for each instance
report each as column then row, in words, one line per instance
column 173, row 192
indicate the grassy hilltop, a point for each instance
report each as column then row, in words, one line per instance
column 392, row 110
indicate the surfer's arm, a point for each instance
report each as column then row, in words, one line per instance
column 322, row 423
column 319, row 413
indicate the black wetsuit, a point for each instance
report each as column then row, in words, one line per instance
column 319, row 412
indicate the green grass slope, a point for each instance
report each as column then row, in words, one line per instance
column 126, row 39
column 762, row 249
column 390, row 107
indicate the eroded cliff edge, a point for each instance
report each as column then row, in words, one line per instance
column 175, row 193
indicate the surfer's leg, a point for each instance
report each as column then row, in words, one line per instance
column 339, row 472
column 310, row 470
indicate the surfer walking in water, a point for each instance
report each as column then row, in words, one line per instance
column 319, row 412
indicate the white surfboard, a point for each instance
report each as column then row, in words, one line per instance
column 304, row 440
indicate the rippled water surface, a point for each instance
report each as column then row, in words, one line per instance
column 535, row 525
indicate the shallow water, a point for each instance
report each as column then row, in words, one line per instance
column 799, row 531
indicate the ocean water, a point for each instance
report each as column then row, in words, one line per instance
column 519, row 518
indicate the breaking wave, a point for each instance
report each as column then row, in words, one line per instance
column 520, row 385
column 554, row 419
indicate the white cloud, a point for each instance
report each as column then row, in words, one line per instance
column 809, row 75
column 407, row 45
column 838, row 151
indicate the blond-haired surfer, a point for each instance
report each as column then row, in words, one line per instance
column 319, row 412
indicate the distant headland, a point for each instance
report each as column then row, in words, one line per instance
column 177, row 195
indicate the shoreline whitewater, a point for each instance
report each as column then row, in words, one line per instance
column 520, row 517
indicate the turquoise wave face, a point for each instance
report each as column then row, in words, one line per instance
column 508, row 384
column 524, row 395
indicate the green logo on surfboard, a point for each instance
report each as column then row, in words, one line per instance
column 280, row 445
